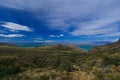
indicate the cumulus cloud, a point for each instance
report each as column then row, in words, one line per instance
column 15, row 27
column 57, row 36
column 87, row 17
column 11, row 35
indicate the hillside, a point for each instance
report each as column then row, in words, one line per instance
column 109, row 48
column 7, row 45
column 60, row 62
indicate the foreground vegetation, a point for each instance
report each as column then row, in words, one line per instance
column 60, row 62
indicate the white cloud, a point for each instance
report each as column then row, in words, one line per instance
column 11, row 35
column 48, row 41
column 38, row 41
column 111, row 34
column 106, row 23
column 43, row 41
column 15, row 27
column 61, row 35
column 38, row 38
column 88, row 17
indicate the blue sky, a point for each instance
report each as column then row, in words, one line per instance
column 59, row 21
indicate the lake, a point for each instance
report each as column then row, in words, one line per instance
column 86, row 47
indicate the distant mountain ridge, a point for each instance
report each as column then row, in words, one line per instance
column 100, row 43
column 63, row 47
column 108, row 48
column 7, row 44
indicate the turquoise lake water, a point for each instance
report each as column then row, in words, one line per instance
column 31, row 45
column 86, row 47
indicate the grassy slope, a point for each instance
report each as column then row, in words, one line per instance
column 59, row 62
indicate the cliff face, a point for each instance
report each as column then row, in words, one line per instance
column 109, row 48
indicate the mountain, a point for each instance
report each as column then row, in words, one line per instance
column 108, row 48
column 7, row 45
column 61, row 47
column 100, row 42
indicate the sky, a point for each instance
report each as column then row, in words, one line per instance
column 59, row 21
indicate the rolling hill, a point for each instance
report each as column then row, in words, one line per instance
column 109, row 48
column 60, row 62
